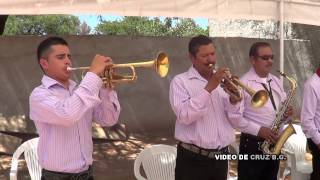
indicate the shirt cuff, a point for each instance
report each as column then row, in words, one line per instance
column 233, row 107
column 110, row 95
column 253, row 129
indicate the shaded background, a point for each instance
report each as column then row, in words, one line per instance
column 146, row 111
column 145, row 103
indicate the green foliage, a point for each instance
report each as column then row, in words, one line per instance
column 144, row 26
column 42, row 25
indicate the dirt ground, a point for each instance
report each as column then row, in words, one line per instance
column 112, row 160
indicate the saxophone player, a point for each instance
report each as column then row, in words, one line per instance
column 255, row 124
column 310, row 120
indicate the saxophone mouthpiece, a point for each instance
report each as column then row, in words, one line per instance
column 282, row 73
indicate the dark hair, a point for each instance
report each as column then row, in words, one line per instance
column 255, row 47
column 198, row 41
column 46, row 44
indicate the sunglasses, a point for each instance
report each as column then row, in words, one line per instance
column 266, row 58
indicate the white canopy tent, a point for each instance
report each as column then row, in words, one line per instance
column 296, row 11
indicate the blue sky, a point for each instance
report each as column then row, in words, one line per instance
column 92, row 20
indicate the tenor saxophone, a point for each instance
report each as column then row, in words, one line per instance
column 269, row 148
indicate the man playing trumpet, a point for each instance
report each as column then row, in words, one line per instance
column 63, row 112
column 203, row 127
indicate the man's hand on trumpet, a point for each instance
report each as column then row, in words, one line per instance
column 216, row 78
column 223, row 76
column 230, row 86
column 99, row 64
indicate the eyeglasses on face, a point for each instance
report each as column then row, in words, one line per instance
column 266, row 57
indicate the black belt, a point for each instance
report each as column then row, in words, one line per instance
column 84, row 175
column 204, row 152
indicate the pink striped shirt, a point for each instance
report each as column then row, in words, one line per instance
column 310, row 112
column 254, row 118
column 203, row 118
column 64, row 117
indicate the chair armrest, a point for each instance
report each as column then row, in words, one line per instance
column 287, row 151
column 136, row 168
column 14, row 169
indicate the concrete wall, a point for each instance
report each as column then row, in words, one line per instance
column 145, row 104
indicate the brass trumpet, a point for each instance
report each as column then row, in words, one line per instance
column 109, row 78
column 258, row 98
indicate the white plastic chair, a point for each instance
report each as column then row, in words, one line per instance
column 295, row 148
column 235, row 149
column 158, row 162
column 29, row 148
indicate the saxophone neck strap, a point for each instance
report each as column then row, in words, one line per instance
column 270, row 94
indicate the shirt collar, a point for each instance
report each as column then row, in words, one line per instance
column 194, row 74
column 49, row 82
column 253, row 76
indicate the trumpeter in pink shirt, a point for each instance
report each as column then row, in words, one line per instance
column 64, row 112
column 205, row 115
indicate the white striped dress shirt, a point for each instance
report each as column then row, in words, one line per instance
column 254, row 118
column 63, row 118
column 310, row 112
column 202, row 117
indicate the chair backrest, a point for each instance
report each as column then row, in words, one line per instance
column 29, row 148
column 295, row 148
column 158, row 162
column 297, row 143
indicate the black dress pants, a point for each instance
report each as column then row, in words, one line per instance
column 52, row 175
column 192, row 166
column 255, row 169
column 315, row 175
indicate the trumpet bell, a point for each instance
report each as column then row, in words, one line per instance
column 162, row 64
column 259, row 98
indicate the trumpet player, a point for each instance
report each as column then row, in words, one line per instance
column 256, row 123
column 310, row 120
column 63, row 112
column 203, row 127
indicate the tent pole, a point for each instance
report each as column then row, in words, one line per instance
column 281, row 38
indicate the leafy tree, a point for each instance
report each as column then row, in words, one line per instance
column 144, row 26
column 187, row 27
column 42, row 25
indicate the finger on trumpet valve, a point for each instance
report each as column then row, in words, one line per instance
column 229, row 75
